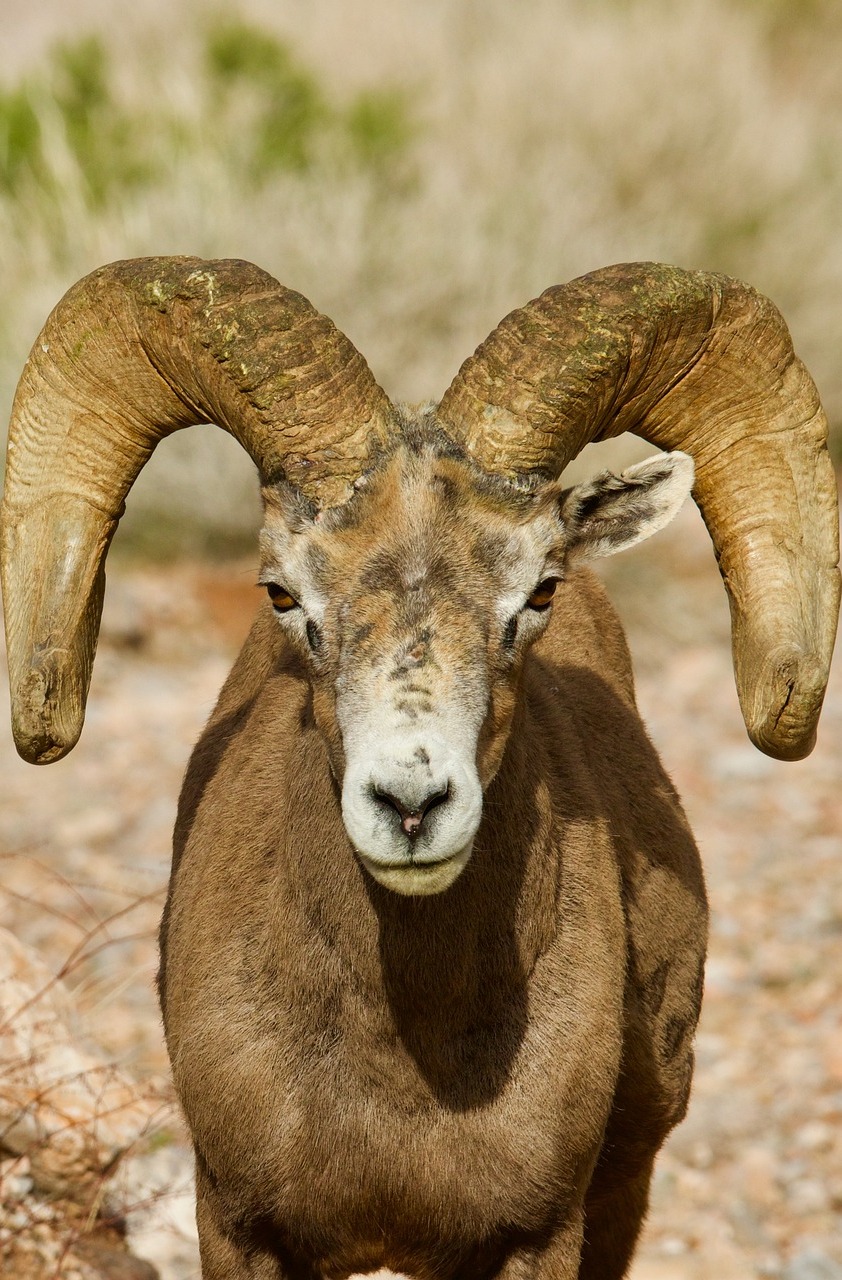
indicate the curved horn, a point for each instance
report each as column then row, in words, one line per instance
column 699, row 362
column 133, row 352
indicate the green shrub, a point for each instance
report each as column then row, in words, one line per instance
column 20, row 139
column 284, row 119
column 286, row 108
column 69, row 119
column 379, row 126
column 263, row 113
column 88, row 114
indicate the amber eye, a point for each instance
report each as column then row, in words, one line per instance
column 282, row 601
column 543, row 594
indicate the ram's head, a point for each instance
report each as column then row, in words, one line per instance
column 411, row 557
column 412, row 607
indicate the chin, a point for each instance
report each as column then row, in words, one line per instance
column 418, row 879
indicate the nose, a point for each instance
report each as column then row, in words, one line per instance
column 412, row 813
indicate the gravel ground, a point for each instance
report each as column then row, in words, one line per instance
column 751, row 1183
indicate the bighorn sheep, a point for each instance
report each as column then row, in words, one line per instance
column 432, row 953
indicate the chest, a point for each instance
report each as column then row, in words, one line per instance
column 475, row 1100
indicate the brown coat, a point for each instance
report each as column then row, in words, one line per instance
column 438, row 1085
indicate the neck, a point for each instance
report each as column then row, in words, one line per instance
column 448, row 971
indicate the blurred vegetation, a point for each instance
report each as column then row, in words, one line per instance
column 287, row 109
column 73, row 103
column 418, row 177
column 284, row 115
column 263, row 112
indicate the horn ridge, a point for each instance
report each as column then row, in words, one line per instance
column 700, row 362
column 134, row 351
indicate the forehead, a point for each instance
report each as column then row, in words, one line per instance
column 423, row 519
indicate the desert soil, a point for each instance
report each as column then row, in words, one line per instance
column 751, row 1183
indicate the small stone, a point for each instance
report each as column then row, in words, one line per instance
column 743, row 763
column 815, row 1136
column 700, row 1155
column 807, row 1195
column 832, row 1055
column 757, row 1177
column 812, row 1265
column 113, row 1264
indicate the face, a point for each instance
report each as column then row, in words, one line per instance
column 413, row 606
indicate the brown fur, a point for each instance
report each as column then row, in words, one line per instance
column 472, row 1084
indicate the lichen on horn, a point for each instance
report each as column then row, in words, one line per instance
column 133, row 352
column 700, row 362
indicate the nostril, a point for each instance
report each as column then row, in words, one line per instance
column 435, row 799
column 411, row 813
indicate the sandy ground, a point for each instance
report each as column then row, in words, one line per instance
column 751, row 1183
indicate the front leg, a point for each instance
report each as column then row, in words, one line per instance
column 223, row 1259
column 228, row 1255
column 556, row 1260
column 612, row 1226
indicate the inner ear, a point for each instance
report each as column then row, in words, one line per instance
column 610, row 513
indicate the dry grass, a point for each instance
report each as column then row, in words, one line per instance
column 549, row 139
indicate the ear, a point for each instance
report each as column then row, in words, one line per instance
column 609, row 513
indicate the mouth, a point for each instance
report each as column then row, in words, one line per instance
column 415, row 877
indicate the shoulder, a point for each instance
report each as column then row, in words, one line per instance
column 586, row 632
